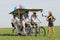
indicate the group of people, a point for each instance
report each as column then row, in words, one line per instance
column 25, row 19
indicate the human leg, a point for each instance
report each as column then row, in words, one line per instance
column 53, row 31
column 17, row 28
column 23, row 23
column 48, row 30
column 13, row 30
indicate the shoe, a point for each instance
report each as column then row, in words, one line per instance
column 19, row 34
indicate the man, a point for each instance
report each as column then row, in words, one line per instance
column 14, row 23
column 35, row 19
column 24, row 21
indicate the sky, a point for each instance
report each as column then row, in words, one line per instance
column 7, row 6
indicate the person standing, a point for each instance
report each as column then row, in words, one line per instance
column 50, row 20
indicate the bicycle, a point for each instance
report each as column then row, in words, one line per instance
column 39, row 30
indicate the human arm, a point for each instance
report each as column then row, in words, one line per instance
column 54, row 18
column 47, row 19
column 39, row 19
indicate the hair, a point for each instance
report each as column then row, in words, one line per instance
column 26, row 11
column 14, row 15
column 35, row 14
column 50, row 14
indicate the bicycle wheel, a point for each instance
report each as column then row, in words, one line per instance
column 28, row 29
column 36, row 31
column 42, row 31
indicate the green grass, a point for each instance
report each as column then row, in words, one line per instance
column 9, row 31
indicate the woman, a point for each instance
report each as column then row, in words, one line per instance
column 50, row 20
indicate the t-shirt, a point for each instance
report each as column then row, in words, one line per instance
column 24, row 16
column 35, row 18
column 14, row 21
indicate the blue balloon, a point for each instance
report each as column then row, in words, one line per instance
column 23, row 7
column 15, row 7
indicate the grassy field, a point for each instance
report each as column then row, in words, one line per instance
column 5, row 31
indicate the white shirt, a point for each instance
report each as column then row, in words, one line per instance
column 14, row 21
column 37, row 19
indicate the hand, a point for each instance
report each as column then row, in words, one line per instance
column 49, row 17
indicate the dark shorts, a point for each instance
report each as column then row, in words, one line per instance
column 50, row 24
column 12, row 25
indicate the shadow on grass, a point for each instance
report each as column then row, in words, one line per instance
column 11, row 35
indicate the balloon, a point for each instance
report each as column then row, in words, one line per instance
column 15, row 7
column 20, row 6
column 23, row 7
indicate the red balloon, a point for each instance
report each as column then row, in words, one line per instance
column 20, row 6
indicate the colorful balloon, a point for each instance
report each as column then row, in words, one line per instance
column 15, row 7
column 20, row 6
column 23, row 7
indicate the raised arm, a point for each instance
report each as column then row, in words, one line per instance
column 39, row 19
column 47, row 19
column 54, row 18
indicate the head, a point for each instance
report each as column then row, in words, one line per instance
column 26, row 11
column 34, row 13
column 14, row 16
column 50, row 13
